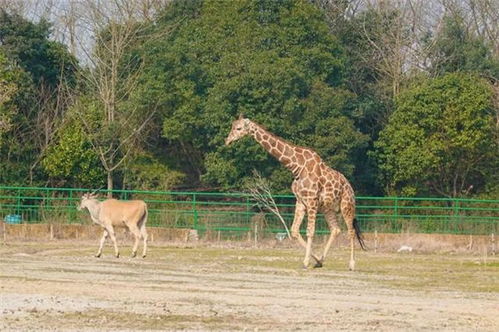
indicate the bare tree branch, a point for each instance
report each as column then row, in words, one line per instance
column 260, row 191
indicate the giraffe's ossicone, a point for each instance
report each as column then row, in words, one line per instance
column 317, row 187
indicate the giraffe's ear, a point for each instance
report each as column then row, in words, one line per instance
column 241, row 116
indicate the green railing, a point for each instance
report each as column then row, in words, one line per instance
column 237, row 213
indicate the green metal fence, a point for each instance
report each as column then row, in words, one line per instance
column 236, row 213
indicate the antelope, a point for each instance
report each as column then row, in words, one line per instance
column 112, row 212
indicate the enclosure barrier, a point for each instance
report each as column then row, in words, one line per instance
column 238, row 215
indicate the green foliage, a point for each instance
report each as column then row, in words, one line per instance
column 29, row 45
column 8, row 88
column 148, row 173
column 365, row 78
column 71, row 160
column 456, row 49
column 440, row 138
column 274, row 61
column 17, row 100
column 35, row 66
column 201, row 63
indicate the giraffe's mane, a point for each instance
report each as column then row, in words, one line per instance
column 282, row 139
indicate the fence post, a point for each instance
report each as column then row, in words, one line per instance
column 456, row 216
column 470, row 244
column 493, row 240
column 44, row 207
column 248, row 210
column 395, row 213
column 18, row 208
column 194, row 207
column 256, row 234
column 72, row 215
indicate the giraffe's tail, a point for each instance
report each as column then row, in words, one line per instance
column 358, row 233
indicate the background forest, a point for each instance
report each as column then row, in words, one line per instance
column 400, row 96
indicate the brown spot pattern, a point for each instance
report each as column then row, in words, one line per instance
column 316, row 186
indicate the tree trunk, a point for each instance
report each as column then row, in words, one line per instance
column 109, row 184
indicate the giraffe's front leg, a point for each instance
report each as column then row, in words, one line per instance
column 312, row 215
column 295, row 229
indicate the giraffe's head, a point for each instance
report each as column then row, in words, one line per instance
column 240, row 128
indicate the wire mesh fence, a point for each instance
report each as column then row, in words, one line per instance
column 236, row 214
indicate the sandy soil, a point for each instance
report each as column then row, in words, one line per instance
column 60, row 286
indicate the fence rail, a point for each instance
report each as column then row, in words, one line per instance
column 235, row 214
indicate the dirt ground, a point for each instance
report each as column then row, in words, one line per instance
column 60, row 286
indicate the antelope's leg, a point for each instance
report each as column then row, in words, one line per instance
column 110, row 230
column 136, row 233
column 143, row 232
column 105, row 234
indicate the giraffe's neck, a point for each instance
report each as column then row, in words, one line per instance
column 277, row 147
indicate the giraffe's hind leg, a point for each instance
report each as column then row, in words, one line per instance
column 348, row 212
column 331, row 219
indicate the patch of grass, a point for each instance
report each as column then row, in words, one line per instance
column 475, row 264
column 106, row 319
column 431, row 272
column 408, row 271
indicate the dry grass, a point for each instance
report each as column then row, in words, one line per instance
column 60, row 286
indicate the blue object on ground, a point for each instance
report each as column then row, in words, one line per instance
column 13, row 219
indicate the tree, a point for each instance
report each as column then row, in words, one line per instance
column 8, row 89
column 114, row 126
column 475, row 18
column 70, row 160
column 380, row 39
column 441, row 138
column 274, row 61
column 146, row 172
column 28, row 43
column 260, row 191
column 456, row 48
column 45, row 77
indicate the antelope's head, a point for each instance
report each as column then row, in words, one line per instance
column 85, row 200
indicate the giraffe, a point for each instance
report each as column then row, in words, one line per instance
column 316, row 187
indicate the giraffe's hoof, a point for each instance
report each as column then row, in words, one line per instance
column 144, row 256
column 318, row 264
column 97, row 255
column 117, row 255
column 351, row 266
column 134, row 254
